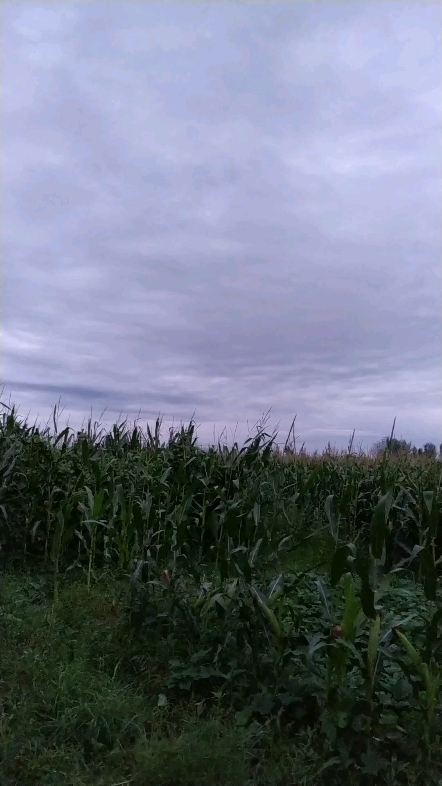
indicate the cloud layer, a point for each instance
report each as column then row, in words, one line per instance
column 221, row 209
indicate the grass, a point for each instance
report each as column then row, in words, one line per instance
column 83, row 705
column 74, row 709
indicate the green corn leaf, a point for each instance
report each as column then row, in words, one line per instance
column 331, row 514
column 254, row 552
column 428, row 573
column 367, row 601
column 379, row 524
column 351, row 610
column 433, row 636
column 417, row 661
column 98, row 503
column 339, row 564
column 373, row 642
column 267, row 612
column 324, row 595
column 431, row 515
column 276, row 589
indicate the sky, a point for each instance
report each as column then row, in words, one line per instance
column 221, row 210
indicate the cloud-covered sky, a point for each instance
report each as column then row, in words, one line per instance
column 220, row 209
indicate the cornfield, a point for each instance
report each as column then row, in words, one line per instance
column 344, row 648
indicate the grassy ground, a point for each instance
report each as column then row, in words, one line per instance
column 83, row 703
column 74, row 710
column 77, row 709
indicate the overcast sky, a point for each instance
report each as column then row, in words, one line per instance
column 222, row 208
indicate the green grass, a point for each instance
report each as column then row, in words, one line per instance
column 75, row 712
column 80, row 699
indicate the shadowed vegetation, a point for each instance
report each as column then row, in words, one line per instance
column 173, row 616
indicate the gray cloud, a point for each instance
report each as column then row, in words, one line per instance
column 225, row 208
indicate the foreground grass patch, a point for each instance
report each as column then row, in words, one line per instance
column 82, row 701
column 68, row 712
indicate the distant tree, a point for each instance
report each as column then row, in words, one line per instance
column 394, row 445
column 430, row 450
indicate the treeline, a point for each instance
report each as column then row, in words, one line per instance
column 396, row 446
